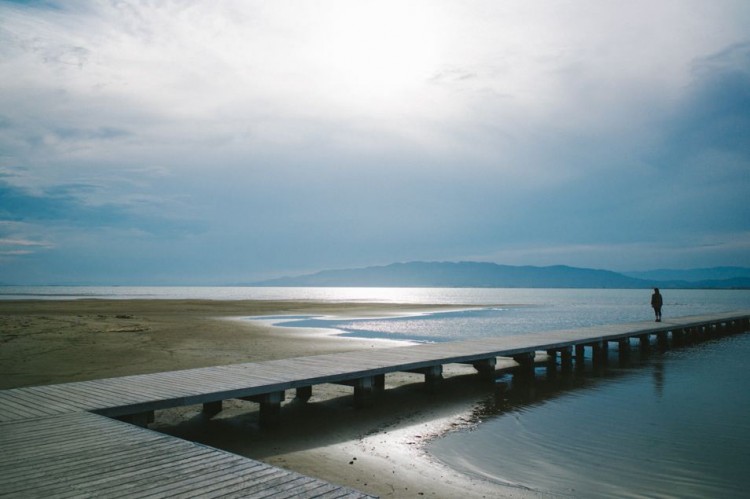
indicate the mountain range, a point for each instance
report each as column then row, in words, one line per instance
column 492, row 275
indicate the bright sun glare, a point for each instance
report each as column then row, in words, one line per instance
column 378, row 51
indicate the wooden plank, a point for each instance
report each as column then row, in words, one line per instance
column 139, row 478
column 142, row 388
column 94, row 463
column 24, row 411
column 188, row 480
column 234, row 481
column 53, row 392
column 10, row 412
column 20, row 398
column 167, row 466
column 98, row 394
column 51, row 404
column 257, row 488
column 308, row 489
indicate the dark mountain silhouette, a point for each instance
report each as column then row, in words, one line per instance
column 486, row 275
column 692, row 275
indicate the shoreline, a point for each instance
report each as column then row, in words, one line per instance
column 379, row 450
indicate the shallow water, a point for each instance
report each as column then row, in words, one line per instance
column 523, row 311
column 668, row 425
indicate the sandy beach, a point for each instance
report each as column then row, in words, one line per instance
column 378, row 450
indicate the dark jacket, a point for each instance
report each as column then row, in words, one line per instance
column 656, row 300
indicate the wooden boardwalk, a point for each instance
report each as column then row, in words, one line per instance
column 57, row 442
column 86, row 455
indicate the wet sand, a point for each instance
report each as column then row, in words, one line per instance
column 378, row 450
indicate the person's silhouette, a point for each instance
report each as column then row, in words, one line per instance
column 656, row 303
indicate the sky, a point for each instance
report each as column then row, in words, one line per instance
column 223, row 142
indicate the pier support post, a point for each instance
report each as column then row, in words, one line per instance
column 551, row 363
column 363, row 391
column 486, row 368
column 678, row 337
column 598, row 353
column 303, row 394
column 379, row 383
column 433, row 375
column 722, row 328
column 663, row 340
column 270, row 407
column 525, row 368
column 705, row 332
column 580, row 357
column 645, row 342
column 211, row 409
column 623, row 349
column 699, row 334
column 690, row 336
column 566, row 359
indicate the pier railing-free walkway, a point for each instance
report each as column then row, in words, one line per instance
column 80, row 454
column 41, row 426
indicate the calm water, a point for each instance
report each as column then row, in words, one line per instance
column 670, row 425
column 666, row 425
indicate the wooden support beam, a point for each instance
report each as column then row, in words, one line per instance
column 433, row 375
column 525, row 362
column 212, row 408
column 566, row 359
column 303, row 394
column 379, row 383
column 678, row 337
column 270, row 407
column 598, row 353
column 551, row 363
column 662, row 339
column 691, row 333
column 580, row 357
column 364, row 389
column 486, row 368
column 623, row 349
column 645, row 341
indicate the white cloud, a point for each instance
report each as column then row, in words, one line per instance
column 451, row 127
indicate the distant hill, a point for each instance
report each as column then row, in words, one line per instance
column 462, row 274
column 488, row 275
column 692, row 275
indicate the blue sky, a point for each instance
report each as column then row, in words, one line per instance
column 193, row 142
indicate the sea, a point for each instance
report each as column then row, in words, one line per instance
column 662, row 424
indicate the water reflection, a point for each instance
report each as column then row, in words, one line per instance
column 670, row 425
column 658, row 374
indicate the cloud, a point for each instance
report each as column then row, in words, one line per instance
column 244, row 138
column 716, row 115
column 19, row 239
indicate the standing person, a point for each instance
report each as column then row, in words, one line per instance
column 656, row 302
